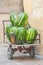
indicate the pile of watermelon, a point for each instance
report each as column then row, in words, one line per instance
column 19, row 27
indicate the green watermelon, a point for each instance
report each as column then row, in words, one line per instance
column 31, row 35
column 23, row 17
column 13, row 30
column 8, row 32
column 13, row 19
column 21, row 35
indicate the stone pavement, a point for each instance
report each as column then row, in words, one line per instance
column 19, row 59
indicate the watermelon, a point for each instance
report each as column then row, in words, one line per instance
column 31, row 35
column 8, row 32
column 13, row 19
column 23, row 17
column 13, row 30
column 21, row 34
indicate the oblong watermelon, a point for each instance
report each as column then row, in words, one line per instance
column 8, row 27
column 31, row 35
column 23, row 17
column 21, row 35
column 13, row 19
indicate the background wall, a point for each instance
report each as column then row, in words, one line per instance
column 2, row 17
column 34, row 8
column 11, row 6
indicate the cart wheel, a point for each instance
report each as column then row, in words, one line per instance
column 10, row 53
column 32, row 52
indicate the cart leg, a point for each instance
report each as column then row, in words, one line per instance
column 10, row 52
column 32, row 52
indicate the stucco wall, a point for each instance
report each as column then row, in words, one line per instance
column 11, row 6
column 34, row 8
column 2, row 17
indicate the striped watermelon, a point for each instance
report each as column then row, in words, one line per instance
column 31, row 35
column 8, row 27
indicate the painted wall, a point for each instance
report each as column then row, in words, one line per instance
column 34, row 8
column 2, row 17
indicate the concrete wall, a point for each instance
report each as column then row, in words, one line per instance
column 2, row 17
column 34, row 8
column 11, row 6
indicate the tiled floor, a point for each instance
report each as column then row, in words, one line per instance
column 19, row 59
